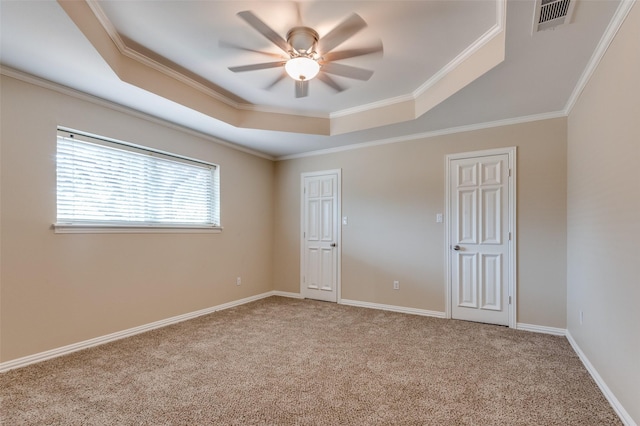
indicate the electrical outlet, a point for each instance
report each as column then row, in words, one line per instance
column 396, row 285
column 581, row 317
column 238, row 281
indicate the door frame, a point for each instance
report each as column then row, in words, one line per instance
column 303, row 206
column 511, row 284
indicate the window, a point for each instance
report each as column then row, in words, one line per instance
column 108, row 185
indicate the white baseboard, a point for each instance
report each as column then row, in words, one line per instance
column 541, row 329
column 359, row 304
column 393, row 308
column 617, row 406
column 287, row 294
column 65, row 350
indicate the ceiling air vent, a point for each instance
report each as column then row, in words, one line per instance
column 552, row 13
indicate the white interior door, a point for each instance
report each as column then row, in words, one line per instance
column 481, row 238
column 320, row 235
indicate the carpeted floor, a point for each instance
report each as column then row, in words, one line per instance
column 283, row 361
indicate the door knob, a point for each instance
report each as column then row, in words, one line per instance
column 456, row 247
column 333, row 244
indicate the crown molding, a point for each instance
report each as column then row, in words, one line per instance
column 28, row 78
column 612, row 29
column 430, row 134
column 373, row 106
column 411, row 97
column 473, row 62
column 152, row 63
column 499, row 27
column 56, row 87
column 167, row 70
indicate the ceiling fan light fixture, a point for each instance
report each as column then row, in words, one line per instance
column 302, row 68
column 307, row 54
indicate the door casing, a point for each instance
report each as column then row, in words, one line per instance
column 303, row 176
column 511, row 285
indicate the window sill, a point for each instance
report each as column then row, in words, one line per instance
column 133, row 229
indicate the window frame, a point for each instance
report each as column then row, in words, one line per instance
column 100, row 227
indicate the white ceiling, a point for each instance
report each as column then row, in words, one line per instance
column 538, row 76
column 188, row 34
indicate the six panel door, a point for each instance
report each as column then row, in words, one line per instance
column 479, row 239
column 320, row 229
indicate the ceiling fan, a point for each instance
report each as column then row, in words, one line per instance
column 307, row 55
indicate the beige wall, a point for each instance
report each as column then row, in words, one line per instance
column 578, row 209
column 604, row 217
column 59, row 289
column 391, row 195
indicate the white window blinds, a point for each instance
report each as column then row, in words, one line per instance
column 114, row 184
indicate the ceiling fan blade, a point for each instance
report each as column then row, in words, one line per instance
column 302, row 89
column 255, row 67
column 229, row 45
column 347, row 71
column 352, row 53
column 330, row 82
column 276, row 81
column 340, row 33
column 264, row 29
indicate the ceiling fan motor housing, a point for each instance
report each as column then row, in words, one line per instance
column 303, row 40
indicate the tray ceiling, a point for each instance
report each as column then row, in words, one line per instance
column 445, row 64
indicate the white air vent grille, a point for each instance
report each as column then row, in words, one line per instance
column 553, row 10
column 551, row 13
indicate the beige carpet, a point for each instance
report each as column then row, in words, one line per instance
column 282, row 361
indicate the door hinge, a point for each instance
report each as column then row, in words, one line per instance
column 509, row 236
column 509, row 172
column 509, row 299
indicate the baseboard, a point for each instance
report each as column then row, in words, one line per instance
column 393, row 308
column 287, row 294
column 65, row 350
column 541, row 329
column 617, row 406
